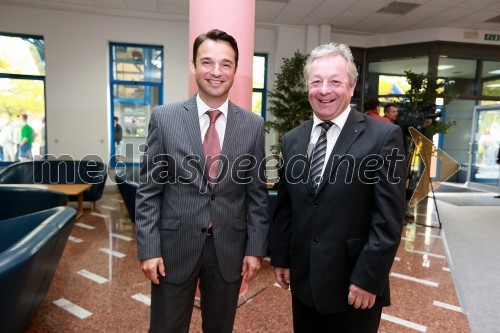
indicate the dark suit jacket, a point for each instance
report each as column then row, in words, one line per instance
column 175, row 202
column 350, row 230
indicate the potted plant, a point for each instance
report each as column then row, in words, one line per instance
column 289, row 102
column 418, row 108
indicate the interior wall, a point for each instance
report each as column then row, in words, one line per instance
column 77, row 70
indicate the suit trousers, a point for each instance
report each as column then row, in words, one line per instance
column 308, row 320
column 172, row 305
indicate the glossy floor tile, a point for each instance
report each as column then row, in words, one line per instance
column 98, row 286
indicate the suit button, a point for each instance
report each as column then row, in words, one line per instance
column 212, row 197
column 316, row 204
column 203, row 230
column 315, row 241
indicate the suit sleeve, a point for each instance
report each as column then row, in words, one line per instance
column 256, row 200
column 282, row 220
column 373, row 266
column 150, row 193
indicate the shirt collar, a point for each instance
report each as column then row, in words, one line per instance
column 202, row 107
column 339, row 121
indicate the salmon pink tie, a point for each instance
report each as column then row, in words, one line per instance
column 211, row 145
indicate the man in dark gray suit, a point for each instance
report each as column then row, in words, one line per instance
column 340, row 205
column 201, row 202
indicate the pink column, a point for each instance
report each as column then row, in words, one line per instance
column 237, row 18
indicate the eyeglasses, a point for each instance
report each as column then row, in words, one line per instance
column 316, row 84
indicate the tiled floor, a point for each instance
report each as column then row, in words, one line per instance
column 98, row 286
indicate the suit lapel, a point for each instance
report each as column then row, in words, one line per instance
column 232, row 132
column 231, row 137
column 353, row 127
column 192, row 121
column 303, row 139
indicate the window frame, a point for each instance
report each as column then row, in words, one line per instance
column 115, row 82
column 262, row 91
column 31, row 78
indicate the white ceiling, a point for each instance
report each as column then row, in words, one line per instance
column 359, row 16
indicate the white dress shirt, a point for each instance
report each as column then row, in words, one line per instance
column 220, row 123
column 331, row 135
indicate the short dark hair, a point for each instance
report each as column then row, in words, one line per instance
column 215, row 34
column 389, row 105
column 371, row 104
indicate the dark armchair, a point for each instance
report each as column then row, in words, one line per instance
column 30, row 249
column 59, row 172
column 17, row 201
column 127, row 189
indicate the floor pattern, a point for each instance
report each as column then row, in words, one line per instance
column 98, row 286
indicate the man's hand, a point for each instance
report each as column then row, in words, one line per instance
column 250, row 268
column 282, row 277
column 359, row 298
column 151, row 268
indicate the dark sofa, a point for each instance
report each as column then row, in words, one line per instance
column 17, row 201
column 30, row 249
column 59, row 172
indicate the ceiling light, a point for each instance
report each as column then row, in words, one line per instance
column 445, row 67
column 493, row 85
column 497, row 71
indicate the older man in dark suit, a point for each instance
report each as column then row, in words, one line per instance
column 340, row 206
column 201, row 203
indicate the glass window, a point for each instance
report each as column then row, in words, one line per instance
column 22, row 98
column 22, row 55
column 136, row 87
column 133, row 63
column 388, row 78
column 460, row 74
column 491, row 79
column 259, row 84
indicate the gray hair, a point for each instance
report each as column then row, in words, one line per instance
column 333, row 49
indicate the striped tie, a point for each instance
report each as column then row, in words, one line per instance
column 318, row 155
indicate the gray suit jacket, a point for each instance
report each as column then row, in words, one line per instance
column 349, row 231
column 175, row 201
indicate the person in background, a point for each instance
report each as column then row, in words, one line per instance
column 391, row 112
column 372, row 109
column 43, row 144
column 27, row 133
column 338, row 219
column 118, row 137
column 202, row 200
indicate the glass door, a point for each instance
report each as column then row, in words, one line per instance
column 484, row 172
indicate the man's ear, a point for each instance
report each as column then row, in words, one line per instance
column 192, row 66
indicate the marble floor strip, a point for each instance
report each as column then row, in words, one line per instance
column 125, row 238
column 113, row 253
column 447, row 306
column 75, row 239
column 91, row 276
column 72, row 308
column 83, row 225
column 405, row 323
column 427, row 254
column 414, row 279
